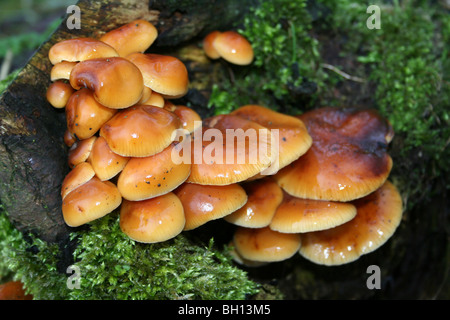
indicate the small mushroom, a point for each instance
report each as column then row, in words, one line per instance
column 205, row 203
column 78, row 176
column 116, row 82
column 153, row 220
column 148, row 177
column 146, row 94
column 90, row 201
column 265, row 245
column 140, row 131
column 80, row 49
column 79, row 152
column 378, row 216
column 62, row 70
column 69, row 138
column 136, row 36
column 58, row 93
column 295, row 215
column 85, row 115
column 347, row 160
column 190, row 119
column 208, row 47
column 264, row 197
column 155, row 99
column 233, row 47
column 164, row 74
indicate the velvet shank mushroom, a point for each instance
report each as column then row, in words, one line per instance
column 58, row 94
column 233, row 47
column 348, row 158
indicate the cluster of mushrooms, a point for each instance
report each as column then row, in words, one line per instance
column 328, row 199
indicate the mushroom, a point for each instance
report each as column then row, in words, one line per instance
column 148, row 177
column 164, row 74
column 80, row 49
column 264, row 197
column 69, row 138
column 13, row 290
column 265, row 245
column 90, row 201
column 140, row 131
column 58, row 94
column 190, row 120
column 296, row 215
column 347, row 160
column 85, row 115
column 153, row 220
column 105, row 163
column 378, row 216
column 62, row 70
column 80, row 150
column 208, row 47
column 135, row 36
column 78, row 176
column 155, row 99
column 233, row 47
column 116, row 82
column 146, row 94
column 205, row 203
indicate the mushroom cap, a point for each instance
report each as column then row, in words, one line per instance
column 205, row 203
column 80, row 49
column 293, row 137
column 149, row 177
column 155, row 99
column 208, row 47
column 264, row 197
column 146, row 94
column 153, row 220
column 164, row 74
column 234, row 48
column 229, row 149
column 140, row 131
column 69, row 138
column 296, row 215
column 190, row 119
column 85, row 115
column 135, row 36
column 62, row 70
column 347, row 160
column 378, row 216
column 78, row 176
column 265, row 245
column 116, row 82
column 79, row 151
column 58, row 93
column 105, row 163
column 90, row 201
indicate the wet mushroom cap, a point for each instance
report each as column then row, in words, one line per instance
column 78, row 176
column 190, row 119
column 378, row 216
column 58, row 94
column 79, row 151
column 205, row 203
column 264, row 197
column 85, row 115
column 80, row 49
column 164, row 74
column 265, row 245
column 155, row 99
column 89, row 202
column 347, row 160
column 140, row 131
column 148, row 177
column 234, row 48
column 62, row 70
column 135, row 36
column 153, row 220
column 116, row 82
column 296, row 215
column 208, row 47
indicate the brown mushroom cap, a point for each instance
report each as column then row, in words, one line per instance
column 348, row 158
column 146, row 94
column 149, row 177
column 205, row 203
column 136, row 36
column 295, row 215
column 153, row 220
column 155, row 99
column 69, row 138
column 79, row 152
column 264, row 197
column 89, row 202
column 78, row 176
column 140, row 131
column 190, row 119
column 378, row 216
column 62, row 70
column 265, row 245
column 116, row 82
column 233, row 157
column 105, row 163
column 58, row 93
column 85, row 115
column 208, row 47
column 234, row 48
column 164, row 74
column 293, row 137
column 80, row 49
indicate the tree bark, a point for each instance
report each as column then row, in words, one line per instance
column 33, row 156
